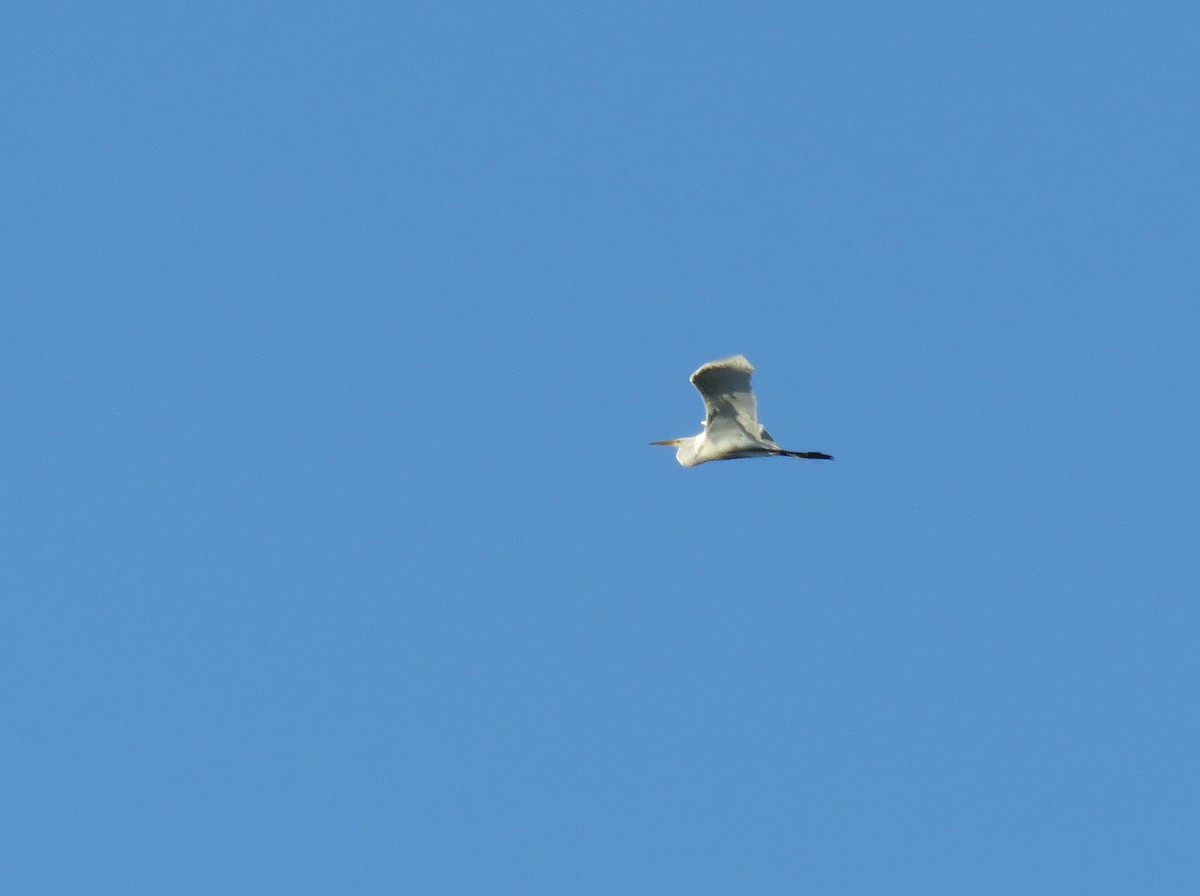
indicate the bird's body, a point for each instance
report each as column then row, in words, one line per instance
column 730, row 427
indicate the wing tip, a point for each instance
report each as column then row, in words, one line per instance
column 733, row 362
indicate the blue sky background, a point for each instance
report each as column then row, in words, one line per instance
column 335, row 559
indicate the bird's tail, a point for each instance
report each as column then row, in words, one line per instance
column 807, row 455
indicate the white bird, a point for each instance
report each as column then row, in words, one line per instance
column 731, row 427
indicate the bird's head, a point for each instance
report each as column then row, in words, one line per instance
column 685, row 450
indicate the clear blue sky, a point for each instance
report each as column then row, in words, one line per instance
column 335, row 559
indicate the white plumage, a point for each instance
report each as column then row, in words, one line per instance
column 730, row 427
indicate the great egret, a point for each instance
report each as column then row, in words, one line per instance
column 731, row 427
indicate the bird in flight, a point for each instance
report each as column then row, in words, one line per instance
column 731, row 427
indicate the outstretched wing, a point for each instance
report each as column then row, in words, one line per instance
column 730, row 409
